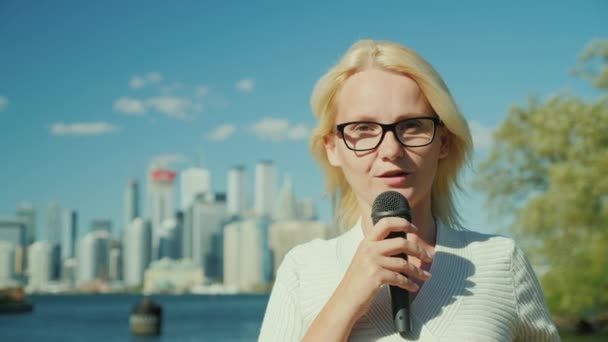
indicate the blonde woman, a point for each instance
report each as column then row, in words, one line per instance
column 386, row 121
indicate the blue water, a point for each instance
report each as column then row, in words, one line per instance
column 105, row 318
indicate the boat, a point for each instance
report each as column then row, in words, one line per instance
column 13, row 300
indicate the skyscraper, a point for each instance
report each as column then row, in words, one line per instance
column 27, row 214
column 137, row 251
column 93, row 257
column 161, row 201
column 7, row 263
column 307, row 210
column 69, row 234
column 131, row 202
column 169, row 242
column 286, row 207
column 208, row 216
column 284, row 235
column 101, row 225
column 115, row 263
column 40, row 265
column 237, row 191
column 194, row 181
column 14, row 233
column 53, row 225
column 265, row 188
column 244, row 254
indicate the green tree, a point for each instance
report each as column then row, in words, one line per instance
column 548, row 172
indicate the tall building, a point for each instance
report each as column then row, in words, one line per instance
column 194, row 181
column 93, row 257
column 307, row 210
column 265, row 188
column 237, row 191
column 27, row 214
column 40, row 265
column 53, row 225
column 14, row 233
column 137, row 251
column 169, row 242
column 285, row 235
column 246, row 258
column 131, row 202
column 286, row 207
column 101, row 225
column 208, row 216
column 161, row 201
column 7, row 263
column 115, row 262
column 69, row 234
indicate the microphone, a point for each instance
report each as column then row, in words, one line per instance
column 394, row 204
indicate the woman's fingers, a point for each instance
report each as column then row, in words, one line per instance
column 391, row 224
column 400, row 265
column 399, row 245
column 398, row 279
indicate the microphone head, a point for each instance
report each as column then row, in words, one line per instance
column 391, row 204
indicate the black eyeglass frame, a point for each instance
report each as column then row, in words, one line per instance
column 389, row 127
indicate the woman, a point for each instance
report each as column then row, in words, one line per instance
column 386, row 121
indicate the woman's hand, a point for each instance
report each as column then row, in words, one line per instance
column 376, row 262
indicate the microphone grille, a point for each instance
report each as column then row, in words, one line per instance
column 390, row 201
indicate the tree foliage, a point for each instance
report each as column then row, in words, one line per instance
column 548, row 171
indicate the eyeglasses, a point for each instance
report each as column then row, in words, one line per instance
column 362, row 136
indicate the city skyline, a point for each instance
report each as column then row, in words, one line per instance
column 84, row 109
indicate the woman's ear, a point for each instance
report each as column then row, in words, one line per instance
column 331, row 150
column 444, row 140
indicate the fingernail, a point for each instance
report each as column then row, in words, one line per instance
column 426, row 274
column 415, row 228
column 429, row 256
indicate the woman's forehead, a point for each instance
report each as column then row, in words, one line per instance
column 378, row 95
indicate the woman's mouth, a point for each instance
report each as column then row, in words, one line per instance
column 394, row 178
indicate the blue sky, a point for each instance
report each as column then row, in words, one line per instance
column 92, row 92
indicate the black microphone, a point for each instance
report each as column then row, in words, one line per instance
column 394, row 204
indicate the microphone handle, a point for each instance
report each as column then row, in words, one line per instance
column 400, row 298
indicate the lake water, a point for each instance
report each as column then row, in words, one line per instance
column 105, row 318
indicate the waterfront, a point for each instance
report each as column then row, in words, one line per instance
column 75, row 318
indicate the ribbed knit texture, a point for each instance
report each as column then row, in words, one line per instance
column 482, row 289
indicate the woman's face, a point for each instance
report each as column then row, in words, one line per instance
column 385, row 97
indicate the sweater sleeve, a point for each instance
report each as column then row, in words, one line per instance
column 535, row 323
column 283, row 319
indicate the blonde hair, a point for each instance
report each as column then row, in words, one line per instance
column 395, row 58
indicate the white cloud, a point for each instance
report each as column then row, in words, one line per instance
column 154, row 77
column 168, row 89
column 202, row 91
column 3, row 103
column 168, row 159
column 245, row 85
column 482, row 135
column 129, row 106
column 174, row 107
column 221, row 133
column 138, row 81
column 83, row 128
column 274, row 129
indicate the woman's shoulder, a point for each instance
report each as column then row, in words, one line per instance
column 318, row 256
column 309, row 252
column 483, row 240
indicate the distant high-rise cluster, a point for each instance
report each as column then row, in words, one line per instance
column 209, row 240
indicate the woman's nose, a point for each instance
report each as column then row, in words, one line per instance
column 390, row 148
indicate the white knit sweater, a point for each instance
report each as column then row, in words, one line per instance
column 482, row 289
